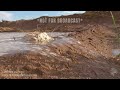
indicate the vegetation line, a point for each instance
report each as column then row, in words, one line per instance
column 113, row 18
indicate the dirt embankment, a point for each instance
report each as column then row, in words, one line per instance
column 96, row 39
column 91, row 42
column 68, row 60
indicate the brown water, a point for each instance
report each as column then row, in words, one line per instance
column 13, row 42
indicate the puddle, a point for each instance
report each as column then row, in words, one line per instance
column 116, row 52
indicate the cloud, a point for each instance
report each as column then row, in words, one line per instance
column 4, row 15
column 70, row 12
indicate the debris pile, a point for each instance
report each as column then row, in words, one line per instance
column 38, row 37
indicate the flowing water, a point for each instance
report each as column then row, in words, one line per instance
column 13, row 42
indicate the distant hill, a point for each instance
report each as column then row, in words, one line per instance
column 90, row 17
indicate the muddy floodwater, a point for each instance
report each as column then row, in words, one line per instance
column 13, row 42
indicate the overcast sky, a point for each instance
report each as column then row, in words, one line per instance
column 17, row 15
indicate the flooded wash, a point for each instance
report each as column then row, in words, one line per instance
column 13, row 42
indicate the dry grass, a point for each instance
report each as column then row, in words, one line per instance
column 7, row 29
